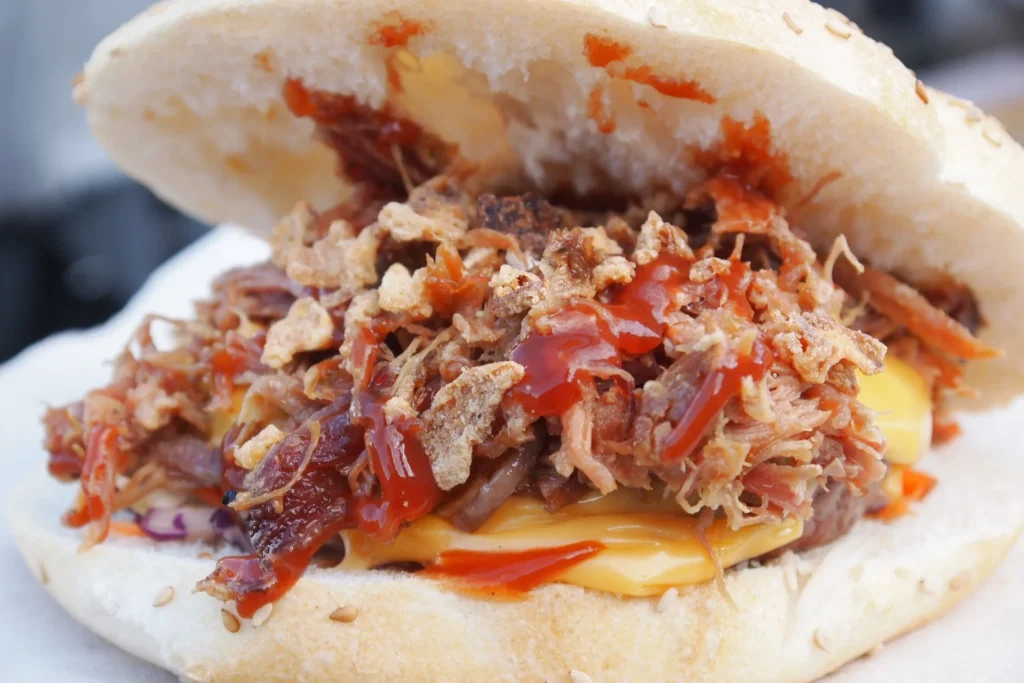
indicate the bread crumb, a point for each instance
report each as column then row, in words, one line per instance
column 925, row 587
column 960, row 581
column 252, row 452
column 230, row 621
column 205, row 555
column 668, row 598
column 346, row 614
column 164, row 596
column 262, row 614
column 44, row 578
column 823, row 640
column 579, row 677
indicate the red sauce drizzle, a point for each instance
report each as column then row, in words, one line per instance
column 396, row 30
column 408, row 489
column 603, row 52
column 718, row 387
column 596, row 110
column 510, row 573
column 745, row 152
column 251, row 570
column 679, row 88
column 585, row 336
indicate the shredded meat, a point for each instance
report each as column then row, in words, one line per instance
column 445, row 352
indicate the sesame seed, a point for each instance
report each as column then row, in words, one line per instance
column 991, row 139
column 230, row 621
column 972, row 119
column 921, row 92
column 962, row 104
column 44, row 578
column 790, row 578
column 960, row 581
column 345, row 614
column 857, row 572
column 163, row 596
column 579, row 677
column 656, row 17
column 837, row 30
column 823, row 640
column 666, row 601
column 262, row 614
column 901, row 573
column 791, row 24
column 205, row 555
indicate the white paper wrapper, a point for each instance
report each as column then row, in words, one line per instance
column 982, row 640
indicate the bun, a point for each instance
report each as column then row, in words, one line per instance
column 797, row 618
column 187, row 98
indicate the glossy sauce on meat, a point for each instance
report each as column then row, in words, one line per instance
column 371, row 143
column 588, row 336
column 407, row 487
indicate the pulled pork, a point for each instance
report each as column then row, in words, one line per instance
column 460, row 348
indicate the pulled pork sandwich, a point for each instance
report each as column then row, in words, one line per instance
column 595, row 337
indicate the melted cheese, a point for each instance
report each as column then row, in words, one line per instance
column 223, row 420
column 900, row 398
column 651, row 544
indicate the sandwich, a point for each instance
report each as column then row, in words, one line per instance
column 596, row 340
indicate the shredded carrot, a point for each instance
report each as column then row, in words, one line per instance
column 126, row 528
column 917, row 485
column 892, row 511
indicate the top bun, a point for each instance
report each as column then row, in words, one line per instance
column 187, row 98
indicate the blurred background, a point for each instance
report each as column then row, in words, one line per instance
column 77, row 239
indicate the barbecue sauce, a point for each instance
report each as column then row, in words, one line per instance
column 509, row 574
column 575, row 344
column 407, row 486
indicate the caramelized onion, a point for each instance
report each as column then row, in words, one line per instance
column 512, row 471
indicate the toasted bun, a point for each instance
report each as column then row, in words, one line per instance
column 187, row 98
column 796, row 619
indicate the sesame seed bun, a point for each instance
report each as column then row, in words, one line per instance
column 798, row 618
column 187, row 98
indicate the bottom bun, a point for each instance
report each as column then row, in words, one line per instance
column 796, row 618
